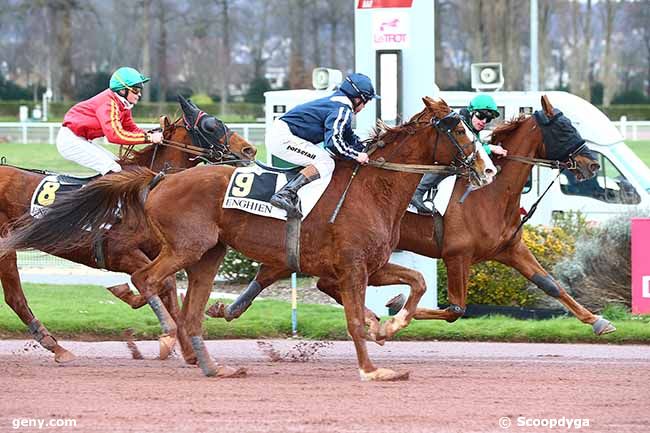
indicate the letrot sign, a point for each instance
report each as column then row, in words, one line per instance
column 641, row 265
column 394, row 46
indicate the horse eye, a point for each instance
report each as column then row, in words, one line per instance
column 210, row 125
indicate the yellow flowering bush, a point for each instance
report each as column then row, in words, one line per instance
column 495, row 284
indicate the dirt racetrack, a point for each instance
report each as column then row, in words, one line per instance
column 454, row 387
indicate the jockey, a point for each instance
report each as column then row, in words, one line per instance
column 480, row 111
column 107, row 114
column 295, row 135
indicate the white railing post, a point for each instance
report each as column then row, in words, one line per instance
column 623, row 126
column 635, row 131
column 24, row 133
column 51, row 131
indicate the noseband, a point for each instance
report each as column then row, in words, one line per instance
column 215, row 144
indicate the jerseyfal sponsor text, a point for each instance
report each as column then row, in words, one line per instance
column 302, row 152
column 249, row 204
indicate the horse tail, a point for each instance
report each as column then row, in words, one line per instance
column 77, row 218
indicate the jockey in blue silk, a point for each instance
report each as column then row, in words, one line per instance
column 294, row 137
column 480, row 111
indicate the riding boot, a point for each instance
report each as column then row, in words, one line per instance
column 287, row 197
column 428, row 182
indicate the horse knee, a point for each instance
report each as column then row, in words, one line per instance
column 547, row 284
column 455, row 312
column 419, row 285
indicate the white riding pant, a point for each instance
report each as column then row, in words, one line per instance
column 85, row 152
column 283, row 144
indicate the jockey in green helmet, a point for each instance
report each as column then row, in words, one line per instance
column 107, row 114
column 480, row 111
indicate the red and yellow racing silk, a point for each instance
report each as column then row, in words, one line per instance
column 104, row 115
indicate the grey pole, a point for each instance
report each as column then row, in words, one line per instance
column 534, row 56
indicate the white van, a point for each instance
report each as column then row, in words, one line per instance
column 622, row 183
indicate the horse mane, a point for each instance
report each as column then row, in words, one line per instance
column 134, row 156
column 507, row 128
column 382, row 132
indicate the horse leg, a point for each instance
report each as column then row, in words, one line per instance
column 124, row 293
column 520, row 258
column 200, row 277
column 265, row 276
column 150, row 280
column 15, row 298
column 169, row 299
column 389, row 274
column 130, row 260
column 370, row 318
column 457, row 280
column 352, row 297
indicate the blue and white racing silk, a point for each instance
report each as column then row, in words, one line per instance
column 327, row 120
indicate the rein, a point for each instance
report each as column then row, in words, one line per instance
column 550, row 163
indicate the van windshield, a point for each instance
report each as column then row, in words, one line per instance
column 628, row 159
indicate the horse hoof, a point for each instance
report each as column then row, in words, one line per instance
column 191, row 360
column 383, row 375
column 63, row 356
column 603, row 326
column 395, row 304
column 225, row 372
column 167, row 343
column 217, row 310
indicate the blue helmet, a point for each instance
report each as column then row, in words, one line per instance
column 358, row 86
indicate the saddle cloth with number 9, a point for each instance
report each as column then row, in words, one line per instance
column 251, row 188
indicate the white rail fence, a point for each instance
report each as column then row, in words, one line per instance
column 45, row 132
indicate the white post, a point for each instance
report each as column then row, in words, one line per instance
column 623, row 126
column 634, row 131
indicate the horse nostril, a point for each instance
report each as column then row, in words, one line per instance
column 249, row 152
column 594, row 166
column 489, row 172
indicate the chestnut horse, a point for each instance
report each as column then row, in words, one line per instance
column 194, row 230
column 123, row 248
column 499, row 237
column 496, row 237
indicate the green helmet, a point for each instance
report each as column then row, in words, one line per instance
column 483, row 102
column 126, row 78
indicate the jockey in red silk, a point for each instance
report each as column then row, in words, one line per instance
column 107, row 114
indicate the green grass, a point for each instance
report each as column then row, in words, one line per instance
column 91, row 312
column 641, row 148
column 46, row 157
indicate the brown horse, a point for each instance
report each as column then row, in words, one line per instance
column 195, row 233
column 496, row 237
column 499, row 236
column 123, row 248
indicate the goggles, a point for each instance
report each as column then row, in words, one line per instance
column 485, row 115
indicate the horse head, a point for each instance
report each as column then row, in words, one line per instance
column 211, row 134
column 469, row 151
column 562, row 142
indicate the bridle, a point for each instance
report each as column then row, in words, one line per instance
column 461, row 165
column 214, row 148
column 569, row 163
column 209, row 151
